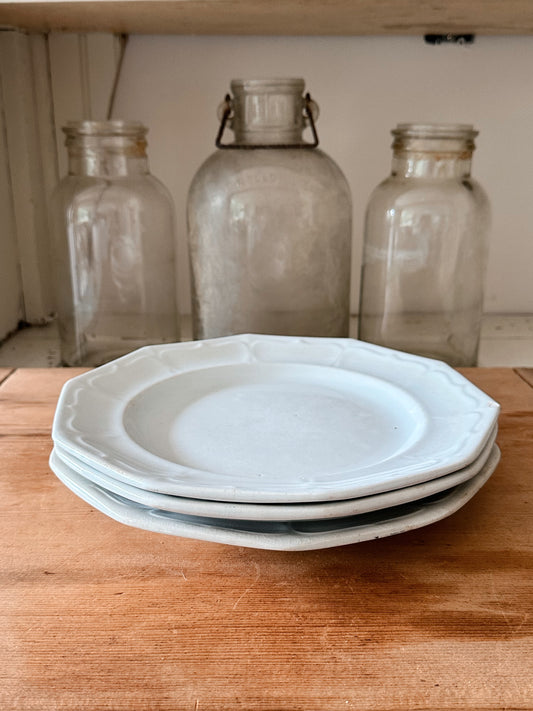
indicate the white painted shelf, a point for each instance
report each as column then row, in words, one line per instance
column 506, row 340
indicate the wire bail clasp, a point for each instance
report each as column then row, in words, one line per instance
column 225, row 113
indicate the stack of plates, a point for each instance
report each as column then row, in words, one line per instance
column 274, row 442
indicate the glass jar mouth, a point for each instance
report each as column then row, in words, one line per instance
column 439, row 131
column 281, row 85
column 115, row 127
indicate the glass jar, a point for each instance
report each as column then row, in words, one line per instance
column 425, row 247
column 113, row 239
column 269, row 222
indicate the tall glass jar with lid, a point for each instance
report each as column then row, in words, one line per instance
column 425, row 247
column 113, row 238
column 269, row 219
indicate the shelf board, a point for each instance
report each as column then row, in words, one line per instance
column 272, row 17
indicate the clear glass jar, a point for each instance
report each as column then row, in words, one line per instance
column 113, row 238
column 425, row 248
column 269, row 220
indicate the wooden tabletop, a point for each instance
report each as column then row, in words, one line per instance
column 96, row 615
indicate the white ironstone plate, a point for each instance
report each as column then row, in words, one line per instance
column 273, row 419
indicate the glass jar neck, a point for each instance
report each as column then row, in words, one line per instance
column 438, row 151
column 427, row 165
column 106, row 148
column 268, row 111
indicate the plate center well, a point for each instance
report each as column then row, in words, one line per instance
column 284, row 422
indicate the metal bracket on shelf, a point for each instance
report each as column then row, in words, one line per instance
column 449, row 38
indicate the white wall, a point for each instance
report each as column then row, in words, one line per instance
column 364, row 87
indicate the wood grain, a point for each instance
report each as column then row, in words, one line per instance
column 526, row 374
column 5, row 373
column 264, row 17
column 28, row 399
column 97, row 615
column 502, row 384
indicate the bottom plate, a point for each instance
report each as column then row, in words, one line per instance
column 288, row 535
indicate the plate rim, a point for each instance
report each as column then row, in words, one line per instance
column 149, row 519
column 278, row 512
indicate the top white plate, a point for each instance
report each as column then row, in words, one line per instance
column 273, row 419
